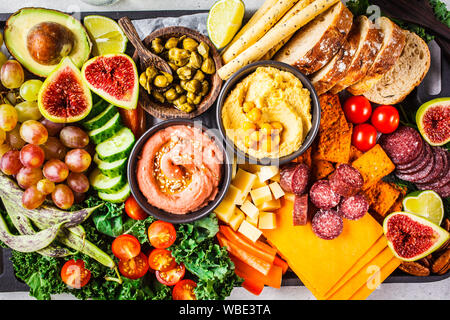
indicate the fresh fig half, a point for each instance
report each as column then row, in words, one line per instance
column 412, row 237
column 113, row 77
column 433, row 121
column 63, row 96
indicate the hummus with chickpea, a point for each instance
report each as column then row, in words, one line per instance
column 180, row 169
column 268, row 114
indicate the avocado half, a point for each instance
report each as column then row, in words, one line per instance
column 19, row 24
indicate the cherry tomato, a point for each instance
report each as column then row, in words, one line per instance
column 74, row 274
column 133, row 210
column 161, row 234
column 357, row 109
column 172, row 276
column 385, row 119
column 134, row 268
column 161, row 260
column 184, row 290
column 126, row 247
column 364, row 136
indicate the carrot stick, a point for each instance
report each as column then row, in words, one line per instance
column 273, row 279
column 245, row 244
column 255, row 287
column 281, row 263
column 255, row 262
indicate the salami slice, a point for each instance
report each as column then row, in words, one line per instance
column 440, row 157
column 428, row 154
column 444, row 191
column 300, row 213
column 415, row 176
column 354, row 207
column 294, row 178
column 437, row 180
column 327, row 224
column 346, row 180
column 439, row 183
column 323, row 196
column 403, row 145
column 414, row 163
column 286, row 176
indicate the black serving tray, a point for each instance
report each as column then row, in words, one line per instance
column 8, row 281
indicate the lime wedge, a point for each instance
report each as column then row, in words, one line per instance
column 106, row 35
column 224, row 20
column 427, row 204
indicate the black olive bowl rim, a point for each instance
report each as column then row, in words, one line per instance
column 157, row 212
column 315, row 111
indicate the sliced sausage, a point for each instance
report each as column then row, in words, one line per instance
column 327, row 224
column 323, row 196
column 354, row 207
column 346, row 180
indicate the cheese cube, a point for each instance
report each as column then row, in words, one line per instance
column 276, row 189
column 233, row 169
column 250, row 167
column 267, row 220
column 225, row 210
column 237, row 219
column 258, row 184
column 253, row 221
column 250, row 209
column 243, row 181
column 261, row 195
column 276, row 178
column 271, row 205
column 267, row 172
column 249, row 231
column 233, row 195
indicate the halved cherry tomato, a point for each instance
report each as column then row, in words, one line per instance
column 126, row 247
column 184, row 290
column 385, row 119
column 364, row 136
column 161, row 260
column 74, row 274
column 161, row 234
column 172, row 276
column 357, row 109
column 133, row 210
column 134, row 268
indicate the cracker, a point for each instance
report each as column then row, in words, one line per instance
column 321, row 169
column 382, row 196
column 355, row 153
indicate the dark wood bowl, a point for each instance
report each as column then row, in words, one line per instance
column 167, row 110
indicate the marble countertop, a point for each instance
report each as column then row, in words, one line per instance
column 387, row 291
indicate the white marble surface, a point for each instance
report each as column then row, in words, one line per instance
column 386, row 291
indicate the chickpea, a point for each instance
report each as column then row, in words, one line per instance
column 247, row 106
column 277, row 126
column 254, row 115
column 266, row 129
column 249, row 126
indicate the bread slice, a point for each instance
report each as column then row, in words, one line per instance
column 316, row 43
column 407, row 73
column 367, row 40
column 324, row 79
column 392, row 47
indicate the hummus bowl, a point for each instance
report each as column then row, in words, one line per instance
column 179, row 171
column 287, row 116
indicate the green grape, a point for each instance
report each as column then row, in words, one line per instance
column 11, row 74
column 8, row 117
column 28, row 110
column 29, row 90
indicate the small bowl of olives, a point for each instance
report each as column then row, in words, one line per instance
column 194, row 84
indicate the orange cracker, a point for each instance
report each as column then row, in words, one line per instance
column 373, row 165
column 355, row 153
column 321, row 169
column 382, row 196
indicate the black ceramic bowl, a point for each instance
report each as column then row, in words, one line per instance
column 161, row 214
column 315, row 110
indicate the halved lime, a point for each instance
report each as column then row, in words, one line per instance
column 224, row 20
column 427, row 204
column 106, row 35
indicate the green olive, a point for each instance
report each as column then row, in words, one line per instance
column 157, row 45
column 193, row 98
column 199, row 75
column 185, row 73
column 143, row 80
column 195, row 61
column 180, row 100
column 171, row 94
column 203, row 49
column 171, row 43
column 172, row 66
column 190, row 44
column 168, row 76
column 186, row 107
column 158, row 96
column 194, row 86
column 205, row 88
column 178, row 54
column 179, row 89
column 151, row 72
column 183, row 84
column 208, row 66
column 161, row 81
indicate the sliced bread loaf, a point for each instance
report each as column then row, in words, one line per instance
column 315, row 44
column 367, row 40
column 324, row 79
column 407, row 73
column 392, row 47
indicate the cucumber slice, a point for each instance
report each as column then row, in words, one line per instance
column 101, row 119
column 117, row 197
column 117, row 147
column 111, row 169
column 97, row 108
column 105, row 184
column 108, row 130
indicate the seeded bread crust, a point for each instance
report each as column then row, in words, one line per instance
column 368, row 40
column 393, row 44
column 326, row 45
column 409, row 71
